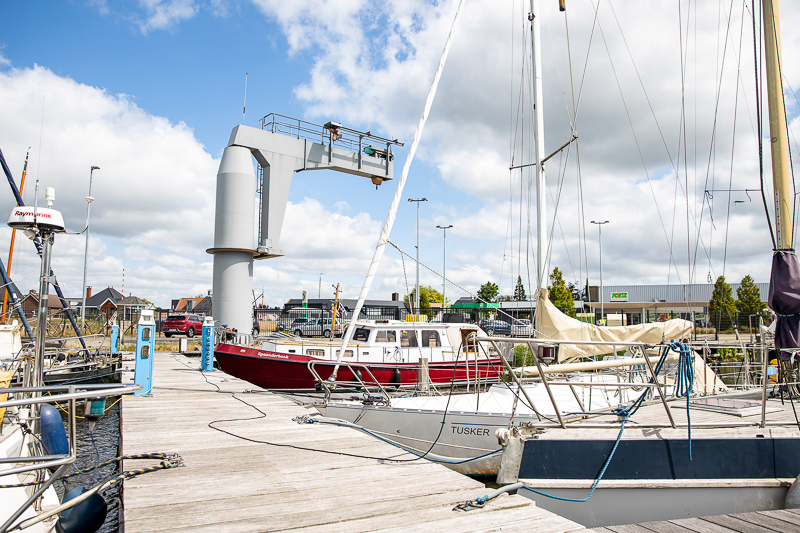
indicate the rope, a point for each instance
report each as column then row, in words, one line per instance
column 167, row 458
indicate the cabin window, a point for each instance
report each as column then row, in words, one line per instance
column 361, row 334
column 430, row 339
column 385, row 336
column 315, row 352
column 347, row 353
column 408, row 339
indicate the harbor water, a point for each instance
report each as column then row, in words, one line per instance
column 95, row 447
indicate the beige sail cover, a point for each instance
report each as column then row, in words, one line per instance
column 553, row 324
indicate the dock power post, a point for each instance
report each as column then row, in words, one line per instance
column 145, row 350
column 207, row 355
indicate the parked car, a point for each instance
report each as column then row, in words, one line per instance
column 317, row 326
column 189, row 325
column 495, row 327
column 521, row 327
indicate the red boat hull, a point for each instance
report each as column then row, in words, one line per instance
column 281, row 371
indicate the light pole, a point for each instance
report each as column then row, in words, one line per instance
column 600, row 240
column 89, row 201
column 444, row 264
column 416, row 291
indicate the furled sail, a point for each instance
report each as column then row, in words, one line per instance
column 553, row 324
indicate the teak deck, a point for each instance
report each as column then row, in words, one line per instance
column 230, row 483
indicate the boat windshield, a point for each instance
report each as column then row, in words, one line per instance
column 361, row 335
column 384, row 335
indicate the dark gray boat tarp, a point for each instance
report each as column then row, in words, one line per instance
column 784, row 299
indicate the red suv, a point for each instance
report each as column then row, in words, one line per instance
column 190, row 325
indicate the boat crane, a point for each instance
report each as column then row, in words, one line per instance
column 281, row 146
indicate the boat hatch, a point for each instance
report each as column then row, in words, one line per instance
column 729, row 406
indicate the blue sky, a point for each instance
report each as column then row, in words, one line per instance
column 149, row 91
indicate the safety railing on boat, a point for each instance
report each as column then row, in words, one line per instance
column 44, row 395
column 35, row 396
column 643, row 366
column 469, row 346
column 542, row 371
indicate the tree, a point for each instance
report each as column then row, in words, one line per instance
column 488, row 291
column 427, row 296
column 748, row 301
column 519, row 291
column 560, row 294
column 722, row 306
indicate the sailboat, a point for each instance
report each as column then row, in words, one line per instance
column 35, row 448
column 676, row 448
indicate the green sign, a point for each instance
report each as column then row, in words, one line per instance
column 619, row 296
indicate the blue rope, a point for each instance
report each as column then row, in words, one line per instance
column 683, row 388
column 684, row 382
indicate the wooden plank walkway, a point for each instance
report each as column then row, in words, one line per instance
column 784, row 521
column 238, row 482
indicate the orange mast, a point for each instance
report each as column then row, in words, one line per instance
column 13, row 235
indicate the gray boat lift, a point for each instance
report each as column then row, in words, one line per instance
column 282, row 146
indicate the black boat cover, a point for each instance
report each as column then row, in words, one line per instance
column 784, row 299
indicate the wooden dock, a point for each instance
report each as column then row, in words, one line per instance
column 260, row 471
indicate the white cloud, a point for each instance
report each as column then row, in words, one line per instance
column 163, row 14
column 153, row 192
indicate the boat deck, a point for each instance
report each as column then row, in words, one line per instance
column 782, row 521
column 261, row 471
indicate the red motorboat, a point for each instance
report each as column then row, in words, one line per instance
column 386, row 352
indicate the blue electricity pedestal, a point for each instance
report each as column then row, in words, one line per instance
column 145, row 349
column 207, row 354
column 115, row 338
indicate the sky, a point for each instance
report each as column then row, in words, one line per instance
column 660, row 97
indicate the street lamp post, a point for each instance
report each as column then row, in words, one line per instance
column 416, row 291
column 600, row 241
column 89, row 201
column 444, row 264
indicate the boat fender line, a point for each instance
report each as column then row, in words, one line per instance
column 477, row 503
column 793, row 495
column 432, row 457
column 152, row 455
column 54, row 436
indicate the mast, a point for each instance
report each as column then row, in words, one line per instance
column 781, row 178
column 784, row 282
column 538, row 141
column 13, row 237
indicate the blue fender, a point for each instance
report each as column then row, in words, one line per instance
column 86, row 517
column 54, row 436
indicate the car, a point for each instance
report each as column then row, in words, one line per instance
column 495, row 327
column 521, row 327
column 317, row 326
column 189, row 325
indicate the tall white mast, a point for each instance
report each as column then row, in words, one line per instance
column 538, row 140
